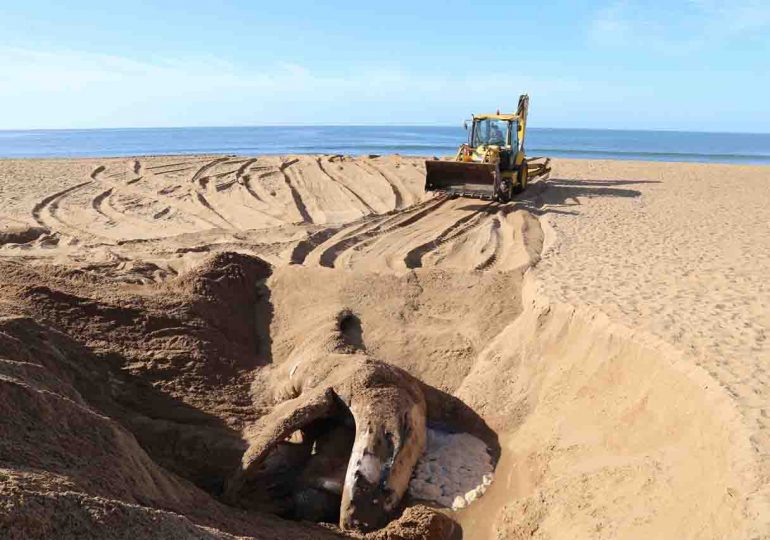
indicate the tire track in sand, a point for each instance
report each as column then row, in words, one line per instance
column 345, row 188
column 96, row 204
column 197, row 175
column 369, row 167
column 280, row 213
column 495, row 240
column 244, row 180
column 298, row 202
column 103, row 202
column 464, row 225
column 245, row 167
column 392, row 223
column 198, row 186
column 45, row 211
column 305, row 247
column 402, row 248
column 191, row 163
column 320, row 240
column 43, row 205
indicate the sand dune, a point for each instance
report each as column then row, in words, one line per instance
column 604, row 335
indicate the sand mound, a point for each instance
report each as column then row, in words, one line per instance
column 185, row 335
column 606, row 429
column 62, row 455
column 161, row 320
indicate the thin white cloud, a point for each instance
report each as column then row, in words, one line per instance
column 736, row 18
column 72, row 89
column 683, row 28
column 610, row 24
column 84, row 89
column 26, row 70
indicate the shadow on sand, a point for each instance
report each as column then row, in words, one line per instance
column 562, row 195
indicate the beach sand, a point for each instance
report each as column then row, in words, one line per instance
column 610, row 326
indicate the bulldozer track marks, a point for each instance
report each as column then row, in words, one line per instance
column 442, row 232
column 357, row 237
column 263, row 200
column 490, row 261
column 205, row 167
column 298, row 202
column 201, row 198
column 306, row 246
column 243, row 168
column 399, row 198
column 288, row 163
column 345, row 188
column 96, row 204
column 190, row 163
column 45, row 204
column 46, row 211
column 103, row 202
column 376, row 229
column 151, row 195
column 465, row 224
column 197, row 180
column 237, row 177
column 162, row 213
column 181, row 169
column 119, row 197
column 244, row 179
column 97, row 172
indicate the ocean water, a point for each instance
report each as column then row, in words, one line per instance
column 363, row 140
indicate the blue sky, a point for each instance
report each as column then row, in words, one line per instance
column 689, row 64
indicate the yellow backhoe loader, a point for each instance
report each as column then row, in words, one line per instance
column 492, row 164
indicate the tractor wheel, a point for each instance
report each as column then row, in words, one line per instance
column 505, row 192
column 521, row 178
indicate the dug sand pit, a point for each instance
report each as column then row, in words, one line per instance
column 329, row 389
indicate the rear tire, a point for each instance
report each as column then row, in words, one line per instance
column 521, row 178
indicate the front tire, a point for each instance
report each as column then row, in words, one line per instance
column 504, row 194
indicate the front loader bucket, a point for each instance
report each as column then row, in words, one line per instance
column 466, row 179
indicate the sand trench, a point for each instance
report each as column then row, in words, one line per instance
column 152, row 319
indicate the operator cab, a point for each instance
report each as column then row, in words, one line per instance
column 492, row 132
column 498, row 132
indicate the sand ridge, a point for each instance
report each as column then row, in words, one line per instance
column 521, row 314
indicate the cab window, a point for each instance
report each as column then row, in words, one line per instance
column 490, row 132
